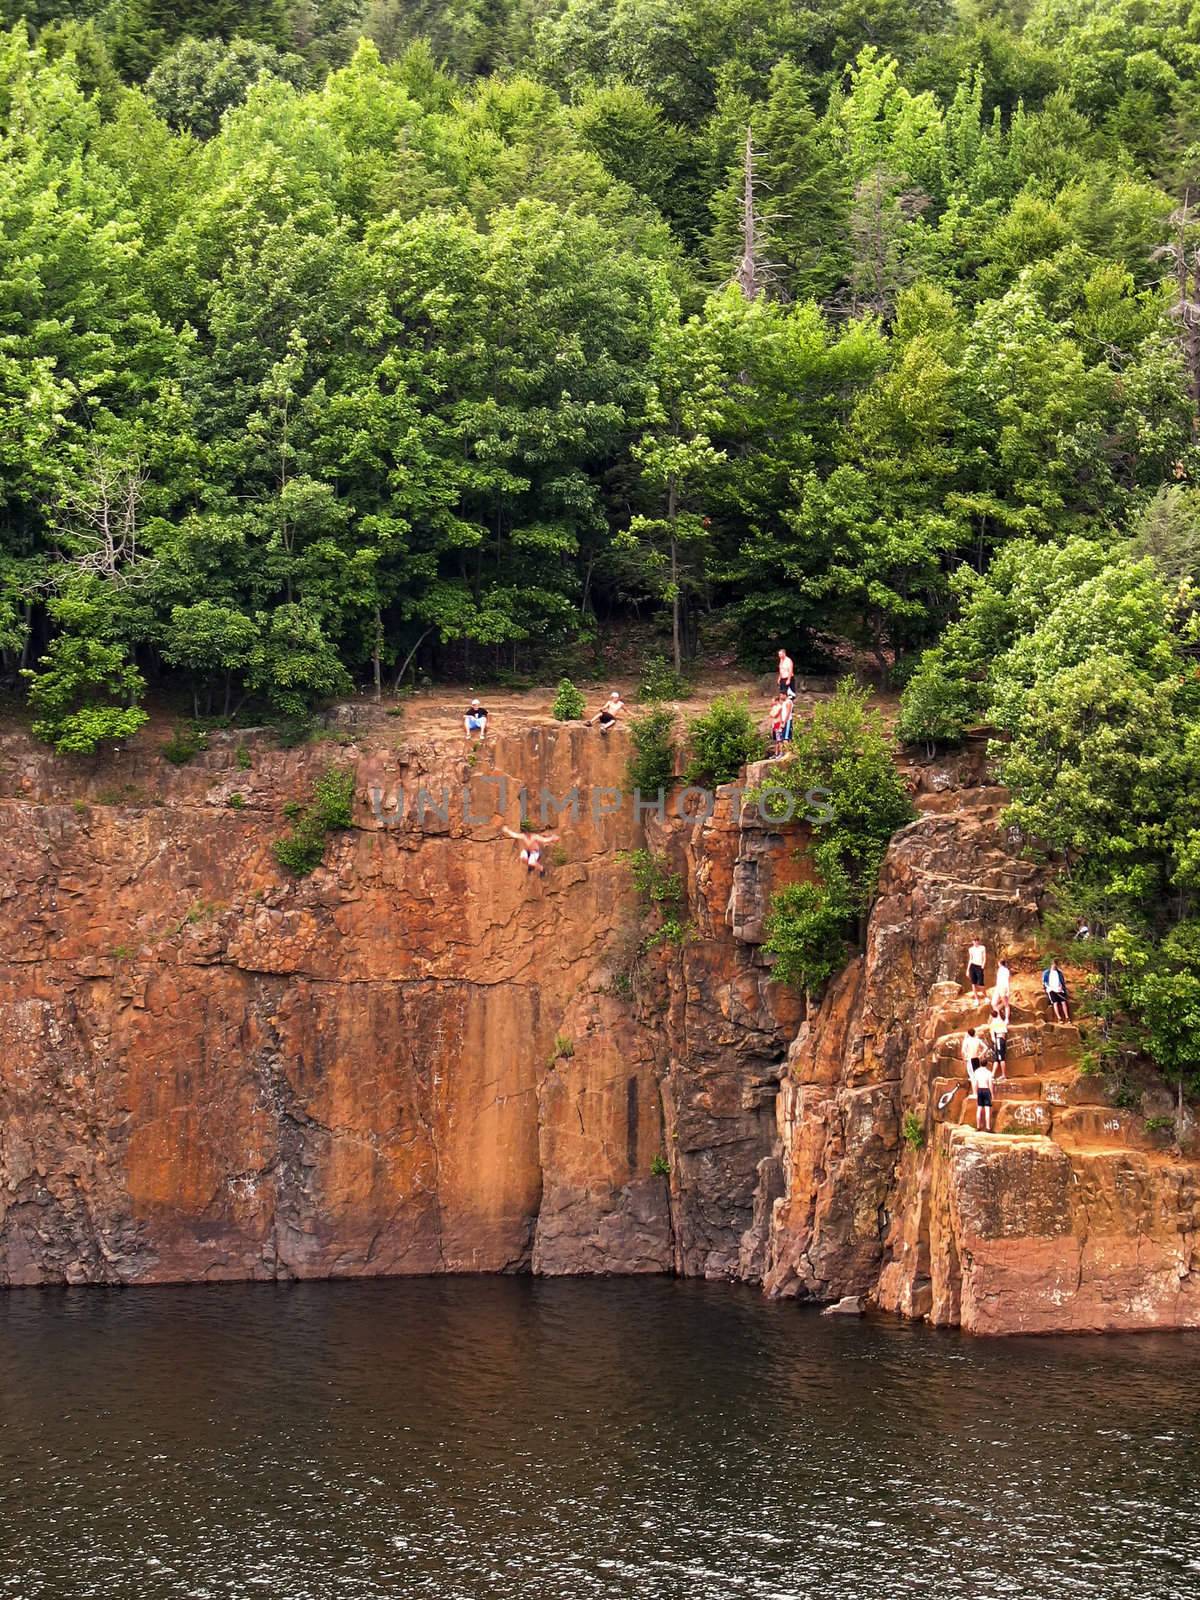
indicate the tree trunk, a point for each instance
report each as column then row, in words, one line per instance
column 587, row 586
column 746, row 276
column 408, row 658
column 377, row 656
column 672, row 513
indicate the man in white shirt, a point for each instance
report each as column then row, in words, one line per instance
column 976, row 968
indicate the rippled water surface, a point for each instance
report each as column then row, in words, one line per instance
column 472, row 1438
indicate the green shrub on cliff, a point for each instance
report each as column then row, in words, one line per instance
column 85, row 691
column 569, row 704
column 722, row 740
column 660, row 681
column 184, row 745
column 660, row 890
column 912, row 1131
column 333, row 799
column 843, row 754
column 808, row 932
column 302, row 849
column 937, row 705
column 651, row 767
column 842, row 760
column 653, row 880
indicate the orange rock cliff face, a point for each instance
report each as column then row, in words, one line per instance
column 420, row 1059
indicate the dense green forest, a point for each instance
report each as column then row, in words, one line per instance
column 346, row 339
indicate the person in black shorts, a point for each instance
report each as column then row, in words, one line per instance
column 608, row 713
column 787, row 674
column 1055, row 985
column 983, row 1097
column 998, row 1028
column 976, row 967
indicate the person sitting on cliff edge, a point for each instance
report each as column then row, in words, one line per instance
column 976, row 968
column 476, row 720
column 532, row 845
column 608, row 713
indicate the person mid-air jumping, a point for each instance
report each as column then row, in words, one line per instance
column 532, row 845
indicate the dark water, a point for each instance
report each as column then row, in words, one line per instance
column 503, row 1438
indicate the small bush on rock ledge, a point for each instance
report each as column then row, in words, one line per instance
column 569, row 704
column 722, row 741
column 652, row 765
column 184, row 745
column 660, row 681
column 302, row 850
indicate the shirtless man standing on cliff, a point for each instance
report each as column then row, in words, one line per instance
column 983, row 1097
column 787, row 674
column 532, row 845
column 1002, row 989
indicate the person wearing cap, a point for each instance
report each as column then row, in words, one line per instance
column 608, row 713
column 475, row 721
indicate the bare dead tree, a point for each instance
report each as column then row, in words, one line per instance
column 1183, row 254
column 884, row 202
column 746, row 276
column 101, row 520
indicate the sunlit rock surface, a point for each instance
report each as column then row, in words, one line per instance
column 416, row 1060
